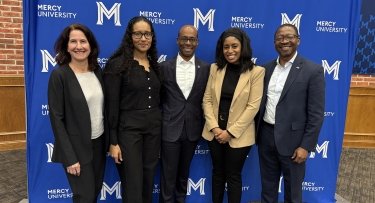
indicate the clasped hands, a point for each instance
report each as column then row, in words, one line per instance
column 222, row 136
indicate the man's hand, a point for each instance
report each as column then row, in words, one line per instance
column 300, row 155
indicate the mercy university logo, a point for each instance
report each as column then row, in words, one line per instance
column 335, row 68
column 47, row 59
column 113, row 11
column 209, row 17
column 296, row 20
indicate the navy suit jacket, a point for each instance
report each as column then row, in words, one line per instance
column 300, row 110
column 70, row 117
column 178, row 111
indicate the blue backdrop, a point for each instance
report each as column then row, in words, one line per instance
column 364, row 62
column 329, row 30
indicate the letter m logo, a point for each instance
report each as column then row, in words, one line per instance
column 296, row 20
column 116, row 188
column 195, row 186
column 50, row 151
column 335, row 68
column 47, row 58
column 162, row 58
column 209, row 17
column 114, row 11
column 322, row 148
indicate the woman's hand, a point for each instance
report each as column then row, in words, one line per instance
column 115, row 152
column 216, row 131
column 222, row 136
column 74, row 169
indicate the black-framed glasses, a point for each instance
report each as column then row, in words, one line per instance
column 288, row 38
column 184, row 40
column 138, row 35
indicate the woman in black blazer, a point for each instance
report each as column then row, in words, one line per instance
column 76, row 109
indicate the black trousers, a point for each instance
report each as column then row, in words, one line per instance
column 227, row 165
column 175, row 167
column 272, row 165
column 87, row 186
column 139, row 140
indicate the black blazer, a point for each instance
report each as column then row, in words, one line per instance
column 177, row 110
column 70, row 117
column 300, row 110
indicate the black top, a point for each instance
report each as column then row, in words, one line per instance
column 139, row 89
column 232, row 74
column 131, row 89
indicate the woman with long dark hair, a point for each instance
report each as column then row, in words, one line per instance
column 230, row 103
column 132, row 81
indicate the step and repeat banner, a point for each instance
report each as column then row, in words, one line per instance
column 329, row 30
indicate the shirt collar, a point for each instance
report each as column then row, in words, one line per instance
column 180, row 60
column 291, row 61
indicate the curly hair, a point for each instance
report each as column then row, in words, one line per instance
column 125, row 52
column 61, row 45
column 246, row 54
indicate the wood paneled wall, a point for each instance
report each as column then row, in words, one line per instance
column 360, row 118
column 12, row 112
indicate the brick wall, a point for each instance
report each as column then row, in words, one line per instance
column 359, row 80
column 11, row 43
column 11, row 37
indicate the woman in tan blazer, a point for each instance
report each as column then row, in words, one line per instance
column 230, row 103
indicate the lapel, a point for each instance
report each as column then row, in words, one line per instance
column 98, row 74
column 197, row 76
column 294, row 71
column 242, row 81
column 173, row 66
column 76, row 89
column 219, row 82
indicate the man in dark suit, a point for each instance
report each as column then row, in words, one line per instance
column 184, row 82
column 290, row 117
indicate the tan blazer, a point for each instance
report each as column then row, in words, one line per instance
column 244, row 106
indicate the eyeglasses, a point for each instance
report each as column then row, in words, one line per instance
column 138, row 35
column 287, row 38
column 184, row 40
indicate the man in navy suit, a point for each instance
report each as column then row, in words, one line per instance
column 184, row 83
column 290, row 117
